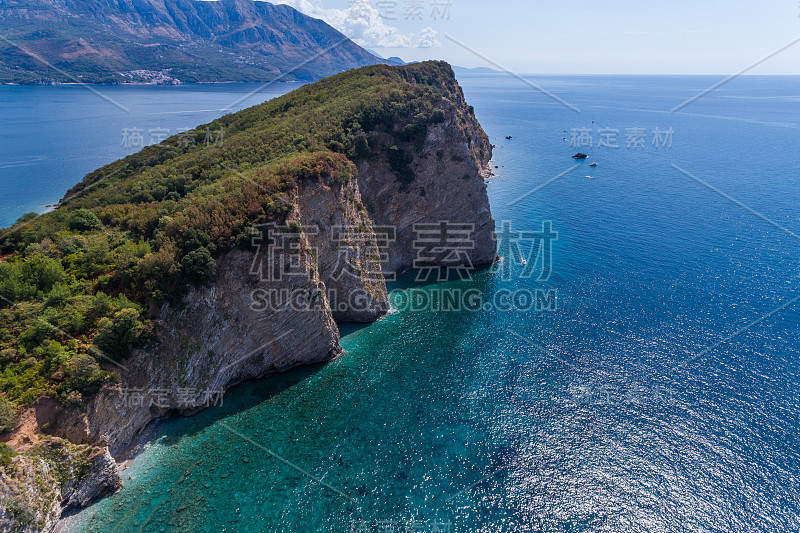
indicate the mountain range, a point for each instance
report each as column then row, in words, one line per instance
column 168, row 41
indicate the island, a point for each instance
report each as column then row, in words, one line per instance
column 159, row 281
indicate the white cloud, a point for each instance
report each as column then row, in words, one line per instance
column 363, row 24
column 427, row 38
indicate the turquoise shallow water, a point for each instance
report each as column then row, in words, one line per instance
column 661, row 395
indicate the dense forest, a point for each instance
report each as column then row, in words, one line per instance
column 77, row 284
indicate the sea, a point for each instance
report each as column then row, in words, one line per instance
column 656, row 389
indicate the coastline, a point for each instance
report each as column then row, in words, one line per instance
column 149, row 83
column 131, row 460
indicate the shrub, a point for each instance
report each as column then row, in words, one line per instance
column 84, row 220
column 83, row 374
column 194, row 239
column 199, row 266
column 8, row 415
column 360, row 147
column 41, row 272
column 27, row 217
column 35, row 334
column 159, row 268
column 116, row 334
column 6, row 454
column 400, row 161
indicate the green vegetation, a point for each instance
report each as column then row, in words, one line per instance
column 84, row 220
column 6, row 454
column 8, row 414
column 76, row 284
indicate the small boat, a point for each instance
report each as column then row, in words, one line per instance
column 589, row 176
column 509, row 137
column 580, row 155
column 592, row 164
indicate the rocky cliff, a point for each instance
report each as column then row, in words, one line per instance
column 252, row 321
column 330, row 222
column 53, row 477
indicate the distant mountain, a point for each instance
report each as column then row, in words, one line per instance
column 109, row 41
column 393, row 61
column 475, row 70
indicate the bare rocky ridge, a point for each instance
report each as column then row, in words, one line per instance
column 340, row 233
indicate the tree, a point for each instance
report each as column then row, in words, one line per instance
column 116, row 335
column 84, row 220
column 199, row 266
column 27, row 217
column 192, row 239
column 83, row 374
column 8, row 415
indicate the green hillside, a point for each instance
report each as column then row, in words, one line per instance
column 76, row 284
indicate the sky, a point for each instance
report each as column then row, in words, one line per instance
column 576, row 36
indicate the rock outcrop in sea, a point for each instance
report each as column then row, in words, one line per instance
column 219, row 336
column 229, row 331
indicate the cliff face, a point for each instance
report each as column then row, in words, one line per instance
column 213, row 342
column 448, row 188
column 57, row 476
column 351, row 214
column 245, row 326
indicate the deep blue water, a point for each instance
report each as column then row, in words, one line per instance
column 661, row 395
column 50, row 137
